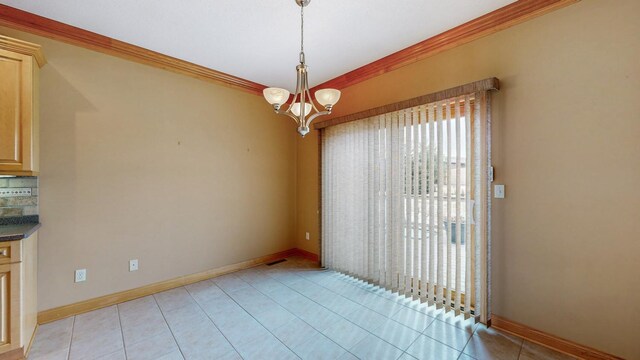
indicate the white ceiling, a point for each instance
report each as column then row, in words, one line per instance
column 259, row 40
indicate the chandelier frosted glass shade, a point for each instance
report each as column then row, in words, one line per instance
column 276, row 96
column 325, row 97
column 295, row 109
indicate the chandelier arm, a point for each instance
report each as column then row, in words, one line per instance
column 313, row 105
column 314, row 116
column 289, row 114
column 303, row 100
column 293, row 100
column 306, row 90
column 297, row 93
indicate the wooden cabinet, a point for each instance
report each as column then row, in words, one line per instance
column 20, row 64
column 10, row 307
column 18, row 298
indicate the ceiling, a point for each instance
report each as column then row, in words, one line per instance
column 259, row 40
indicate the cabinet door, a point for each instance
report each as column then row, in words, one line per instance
column 9, row 307
column 16, row 106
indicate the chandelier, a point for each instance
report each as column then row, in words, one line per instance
column 302, row 98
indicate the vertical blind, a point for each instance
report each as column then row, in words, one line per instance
column 405, row 201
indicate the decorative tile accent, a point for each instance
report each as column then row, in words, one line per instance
column 16, row 205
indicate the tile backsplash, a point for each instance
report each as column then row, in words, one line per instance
column 13, row 206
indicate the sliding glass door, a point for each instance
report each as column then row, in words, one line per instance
column 404, row 201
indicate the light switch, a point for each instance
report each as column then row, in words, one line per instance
column 498, row 191
column 307, row 236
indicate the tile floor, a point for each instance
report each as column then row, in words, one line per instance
column 286, row 311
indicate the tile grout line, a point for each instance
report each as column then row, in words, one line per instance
column 210, row 319
column 434, row 339
column 467, row 343
column 258, row 321
column 124, row 348
column 413, row 342
column 520, row 351
column 73, row 326
column 167, row 323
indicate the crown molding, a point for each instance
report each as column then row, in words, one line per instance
column 23, row 47
column 500, row 19
column 507, row 16
column 21, row 20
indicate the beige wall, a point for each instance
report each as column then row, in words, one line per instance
column 138, row 162
column 566, row 239
column 142, row 163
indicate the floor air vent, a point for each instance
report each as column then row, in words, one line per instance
column 276, row 262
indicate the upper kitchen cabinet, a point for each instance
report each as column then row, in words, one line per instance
column 20, row 63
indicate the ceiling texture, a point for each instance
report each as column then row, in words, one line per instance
column 259, row 40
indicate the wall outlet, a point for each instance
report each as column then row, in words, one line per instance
column 307, row 236
column 498, row 191
column 81, row 275
column 133, row 265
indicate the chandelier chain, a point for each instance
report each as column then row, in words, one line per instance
column 302, row 33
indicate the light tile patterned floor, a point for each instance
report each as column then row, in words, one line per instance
column 286, row 311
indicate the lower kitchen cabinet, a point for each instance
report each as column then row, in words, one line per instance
column 18, row 296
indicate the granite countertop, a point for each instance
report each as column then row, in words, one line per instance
column 18, row 228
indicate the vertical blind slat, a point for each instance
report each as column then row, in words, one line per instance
column 458, row 239
column 374, row 276
column 447, row 204
column 405, row 202
column 477, row 156
column 423, row 203
column 415, row 180
column 395, row 196
column 432, row 203
column 387, row 202
column 467, row 116
column 440, row 207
